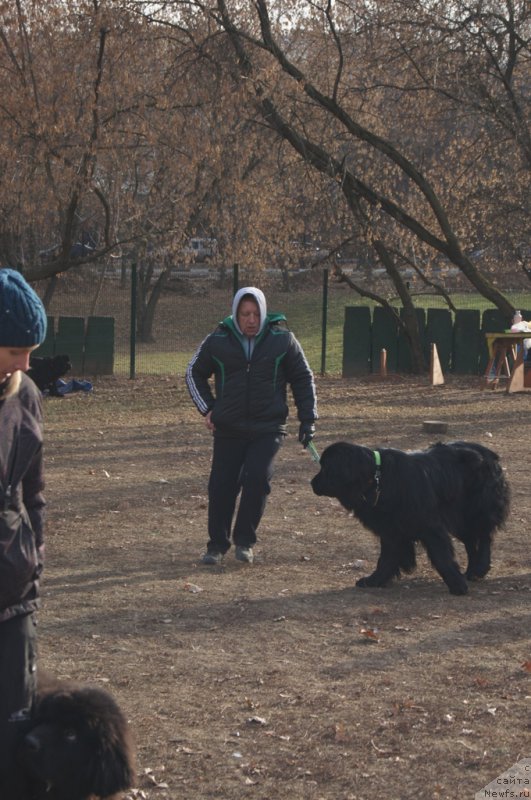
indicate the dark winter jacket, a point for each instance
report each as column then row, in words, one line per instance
column 250, row 395
column 21, row 460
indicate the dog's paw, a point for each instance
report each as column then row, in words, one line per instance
column 472, row 576
column 477, row 573
column 369, row 582
column 459, row 587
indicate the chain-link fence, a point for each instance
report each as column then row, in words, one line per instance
column 195, row 300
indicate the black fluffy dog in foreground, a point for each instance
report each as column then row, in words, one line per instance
column 79, row 747
column 457, row 488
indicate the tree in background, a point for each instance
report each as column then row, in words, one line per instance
column 399, row 128
column 471, row 63
column 356, row 91
column 128, row 140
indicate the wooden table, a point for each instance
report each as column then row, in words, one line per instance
column 506, row 360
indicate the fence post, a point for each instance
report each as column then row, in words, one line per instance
column 132, row 338
column 235, row 278
column 324, row 322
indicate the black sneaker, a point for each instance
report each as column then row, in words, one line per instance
column 212, row 558
column 244, row 554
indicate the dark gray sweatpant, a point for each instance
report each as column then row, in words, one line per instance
column 18, row 678
column 245, row 467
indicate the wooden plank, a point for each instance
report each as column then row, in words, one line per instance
column 516, row 381
column 439, row 331
column 384, row 337
column 404, row 349
column 99, row 346
column 356, row 341
column 70, row 340
column 466, row 342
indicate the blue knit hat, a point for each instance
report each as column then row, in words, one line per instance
column 22, row 315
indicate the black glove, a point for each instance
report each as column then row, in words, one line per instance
column 306, row 433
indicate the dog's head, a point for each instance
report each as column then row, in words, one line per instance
column 61, row 364
column 79, row 747
column 45, row 370
column 347, row 473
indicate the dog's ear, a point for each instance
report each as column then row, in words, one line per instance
column 351, row 462
column 362, row 463
column 62, row 364
column 115, row 768
column 353, row 468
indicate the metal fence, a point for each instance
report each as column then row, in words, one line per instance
column 195, row 300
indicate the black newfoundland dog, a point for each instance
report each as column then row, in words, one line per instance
column 45, row 371
column 457, row 488
column 79, row 747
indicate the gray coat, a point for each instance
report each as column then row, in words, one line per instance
column 21, row 464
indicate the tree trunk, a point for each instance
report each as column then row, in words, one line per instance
column 49, row 291
column 148, row 299
column 409, row 322
column 351, row 178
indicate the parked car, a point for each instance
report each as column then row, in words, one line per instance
column 200, row 249
column 307, row 254
column 84, row 247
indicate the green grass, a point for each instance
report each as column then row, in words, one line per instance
column 520, row 300
column 170, row 354
column 152, row 362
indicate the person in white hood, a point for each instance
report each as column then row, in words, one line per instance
column 253, row 358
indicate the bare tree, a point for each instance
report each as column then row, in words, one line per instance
column 98, row 118
column 396, row 156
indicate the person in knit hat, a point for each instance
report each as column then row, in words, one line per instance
column 22, row 329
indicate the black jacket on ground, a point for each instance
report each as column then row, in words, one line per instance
column 250, row 397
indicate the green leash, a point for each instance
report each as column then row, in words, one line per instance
column 313, row 452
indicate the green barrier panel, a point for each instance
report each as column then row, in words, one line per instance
column 70, row 340
column 404, row 349
column 384, row 337
column 99, row 346
column 356, row 341
column 47, row 348
column 492, row 321
column 439, row 331
column 466, row 345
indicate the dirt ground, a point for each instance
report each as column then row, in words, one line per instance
column 283, row 680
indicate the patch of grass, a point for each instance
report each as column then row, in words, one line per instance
column 182, row 321
column 304, row 313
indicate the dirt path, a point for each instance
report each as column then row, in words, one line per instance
column 282, row 680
